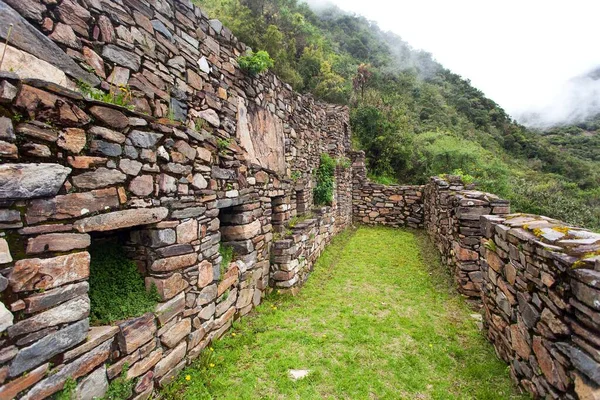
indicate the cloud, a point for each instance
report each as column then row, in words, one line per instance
column 577, row 101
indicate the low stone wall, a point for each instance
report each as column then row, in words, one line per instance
column 541, row 299
column 376, row 204
column 452, row 213
column 294, row 256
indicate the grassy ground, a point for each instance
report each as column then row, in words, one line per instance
column 376, row 320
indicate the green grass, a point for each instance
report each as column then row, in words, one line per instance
column 117, row 289
column 378, row 319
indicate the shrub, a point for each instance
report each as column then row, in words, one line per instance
column 255, row 63
column 323, row 192
column 117, row 289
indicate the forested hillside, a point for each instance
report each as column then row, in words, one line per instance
column 413, row 117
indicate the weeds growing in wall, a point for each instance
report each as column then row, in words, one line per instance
column 255, row 63
column 117, row 289
column 323, row 192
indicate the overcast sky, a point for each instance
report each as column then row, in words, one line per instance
column 519, row 52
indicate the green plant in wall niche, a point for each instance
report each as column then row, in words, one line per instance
column 223, row 145
column 199, row 124
column 255, row 63
column 490, row 245
column 295, row 176
column 120, row 388
column 117, row 290
column 323, row 192
column 227, row 256
column 117, row 95
column 343, row 162
column 68, row 390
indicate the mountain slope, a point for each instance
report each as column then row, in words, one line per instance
column 413, row 117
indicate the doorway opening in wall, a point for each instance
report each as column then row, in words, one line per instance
column 117, row 278
column 239, row 225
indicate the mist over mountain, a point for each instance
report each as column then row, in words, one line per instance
column 577, row 102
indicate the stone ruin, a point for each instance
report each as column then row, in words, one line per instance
column 207, row 155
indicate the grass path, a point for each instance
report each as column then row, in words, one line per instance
column 377, row 319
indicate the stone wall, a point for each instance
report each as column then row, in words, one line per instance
column 452, row 212
column 376, row 204
column 205, row 158
column 541, row 302
column 294, row 255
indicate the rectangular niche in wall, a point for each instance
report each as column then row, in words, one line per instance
column 118, row 278
column 239, row 226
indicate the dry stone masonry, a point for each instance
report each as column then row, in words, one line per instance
column 205, row 157
column 541, row 297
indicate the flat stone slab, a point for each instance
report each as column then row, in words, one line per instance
column 27, row 181
column 29, row 39
column 121, row 219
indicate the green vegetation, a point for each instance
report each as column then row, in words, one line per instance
column 121, row 96
column 323, row 191
column 255, row 63
column 227, row 256
column 117, row 289
column 120, row 388
column 414, row 118
column 379, row 318
column 68, row 390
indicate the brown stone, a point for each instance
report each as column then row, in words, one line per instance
column 110, row 117
column 58, row 242
column 241, row 232
column 230, row 278
column 35, row 273
column 98, row 178
column 187, row 231
column 552, row 370
column 94, row 61
column 142, row 366
column 36, row 150
column 169, row 287
column 166, row 311
column 71, row 311
column 96, row 336
column 50, row 298
column 172, row 359
column 142, row 185
column 72, row 205
column 108, row 134
column 121, row 219
column 72, row 139
column 585, row 389
column 205, row 274
column 8, row 150
column 16, row 386
column 174, row 263
column 86, row 162
column 177, row 333
column 64, row 34
column 136, row 332
column 494, row 260
column 519, row 344
column 78, row 368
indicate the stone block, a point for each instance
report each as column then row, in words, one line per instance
column 28, row 181
column 35, row 273
column 136, row 332
column 121, row 219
